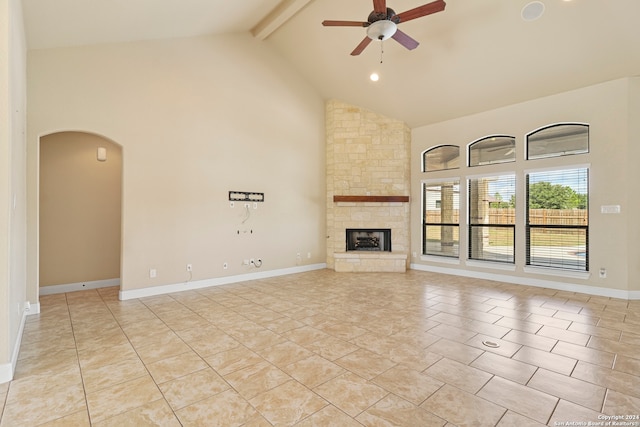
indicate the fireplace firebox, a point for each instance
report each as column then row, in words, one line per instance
column 369, row 239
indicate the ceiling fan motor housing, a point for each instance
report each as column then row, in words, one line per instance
column 389, row 16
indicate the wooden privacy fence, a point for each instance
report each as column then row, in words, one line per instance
column 508, row 216
column 558, row 216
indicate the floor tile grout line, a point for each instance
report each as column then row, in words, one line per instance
column 123, row 382
column 75, row 341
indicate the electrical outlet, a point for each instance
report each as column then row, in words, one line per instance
column 153, row 273
column 255, row 205
column 309, row 255
column 603, row 273
column 245, row 262
column 225, row 266
column 232, row 204
column 189, row 267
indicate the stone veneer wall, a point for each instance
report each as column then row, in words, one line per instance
column 367, row 155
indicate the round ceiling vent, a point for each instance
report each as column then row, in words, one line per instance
column 532, row 10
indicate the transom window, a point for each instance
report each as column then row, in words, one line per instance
column 442, row 157
column 558, row 140
column 492, row 149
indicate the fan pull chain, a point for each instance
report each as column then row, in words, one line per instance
column 381, row 50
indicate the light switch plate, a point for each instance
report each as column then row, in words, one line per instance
column 610, row 209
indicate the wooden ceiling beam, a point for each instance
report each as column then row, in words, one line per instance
column 277, row 17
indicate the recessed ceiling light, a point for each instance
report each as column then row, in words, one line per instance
column 374, row 77
column 532, row 10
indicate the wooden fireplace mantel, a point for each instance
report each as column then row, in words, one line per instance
column 403, row 199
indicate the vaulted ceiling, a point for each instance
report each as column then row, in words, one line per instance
column 474, row 56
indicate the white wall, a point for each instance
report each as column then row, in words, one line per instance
column 196, row 117
column 610, row 110
column 12, row 184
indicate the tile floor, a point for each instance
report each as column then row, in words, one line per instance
column 328, row 349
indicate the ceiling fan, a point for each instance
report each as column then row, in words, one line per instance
column 382, row 23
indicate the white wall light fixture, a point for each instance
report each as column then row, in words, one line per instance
column 102, row 154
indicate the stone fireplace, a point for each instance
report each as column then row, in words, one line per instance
column 368, row 187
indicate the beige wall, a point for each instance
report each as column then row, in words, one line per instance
column 613, row 140
column 632, row 158
column 5, row 190
column 196, row 118
column 12, row 183
column 80, row 209
column 199, row 117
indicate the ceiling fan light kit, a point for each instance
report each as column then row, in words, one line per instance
column 381, row 30
column 382, row 23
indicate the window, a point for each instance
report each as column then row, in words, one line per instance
column 557, row 225
column 492, row 149
column 441, row 158
column 558, row 140
column 492, row 203
column 441, row 218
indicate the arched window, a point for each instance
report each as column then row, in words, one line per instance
column 492, row 149
column 440, row 158
column 561, row 139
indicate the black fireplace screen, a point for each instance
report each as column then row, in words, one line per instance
column 369, row 239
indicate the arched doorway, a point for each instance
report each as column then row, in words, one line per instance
column 80, row 210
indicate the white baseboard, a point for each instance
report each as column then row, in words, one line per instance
column 199, row 284
column 6, row 372
column 80, row 286
column 529, row 281
column 8, row 369
column 634, row 295
column 34, row 308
